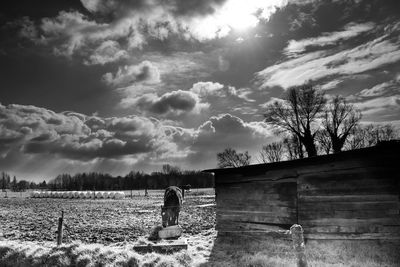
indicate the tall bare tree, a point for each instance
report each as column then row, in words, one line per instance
column 298, row 114
column 339, row 119
column 230, row 158
column 272, row 152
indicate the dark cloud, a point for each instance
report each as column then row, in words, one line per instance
column 47, row 8
column 179, row 100
column 81, row 137
column 85, row 139
column 226, row 130
column 43, row 137
column 144, row 72
column 194, row 7
column 24, row 26
column 175, row 102
column 116, row 8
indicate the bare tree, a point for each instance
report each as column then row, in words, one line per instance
column 370, row 135
column 324, row 141
column 298, row 114
column 230, row 158
column 273, row 152
column 170, row 170
column 387, row 132
column 339, row 119
column 293, row 148
column 357, row 138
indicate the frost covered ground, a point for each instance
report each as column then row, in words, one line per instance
column 16, row 253
column 100, row 220
column 101, row 232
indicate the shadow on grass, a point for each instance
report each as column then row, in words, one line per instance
column 251, row 250
column 265, row 250
column 353, row 253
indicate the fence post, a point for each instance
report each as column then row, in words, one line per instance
column 60, row 229
column 296, row 232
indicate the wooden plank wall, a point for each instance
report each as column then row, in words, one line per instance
column 350, row 199
column 350, row 196
column 256, row 203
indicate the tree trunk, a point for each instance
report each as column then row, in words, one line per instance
column 299, row 148
column 310, row 146
column 337, row 144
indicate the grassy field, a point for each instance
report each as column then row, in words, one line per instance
column 103, row 232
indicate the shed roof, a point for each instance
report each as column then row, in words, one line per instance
column 382, row 147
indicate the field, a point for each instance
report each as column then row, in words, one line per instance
column 101, row 220
column 103, row 232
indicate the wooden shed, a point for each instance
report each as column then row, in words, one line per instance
column 349, row 195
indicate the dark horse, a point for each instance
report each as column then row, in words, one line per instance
column 172, row 206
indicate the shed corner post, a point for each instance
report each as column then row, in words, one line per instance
column 296, row 231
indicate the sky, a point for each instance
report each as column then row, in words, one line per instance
column 114, row 86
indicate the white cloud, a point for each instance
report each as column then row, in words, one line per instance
column 241, row 93
column 380, row 108
column 135, row 23
column 214, row 89
column 108, row 51
column 317, row 65
column 73, row 28
column 381, row 89
column 351, row 30
column 207, row 88
column 331, row 84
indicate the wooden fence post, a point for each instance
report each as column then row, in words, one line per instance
column 296, row 232
column 60, row 229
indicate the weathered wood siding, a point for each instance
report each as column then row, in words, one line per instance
column 256, row 202
column 352, row 195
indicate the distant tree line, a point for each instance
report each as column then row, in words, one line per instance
column 311, row 125
column 170, row 175
column 18, row 185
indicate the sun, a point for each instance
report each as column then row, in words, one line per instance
column 244, row 14
column 236, row 15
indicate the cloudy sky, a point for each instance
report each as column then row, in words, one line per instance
column 119, row 85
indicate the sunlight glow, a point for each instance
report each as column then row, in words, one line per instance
column 237, row 15
column 241, row 15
